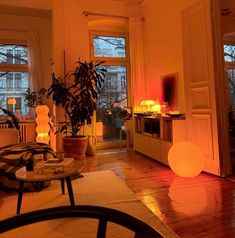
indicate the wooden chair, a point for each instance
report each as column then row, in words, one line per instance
column 103, row 214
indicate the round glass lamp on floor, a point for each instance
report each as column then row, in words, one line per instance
column 186, row 159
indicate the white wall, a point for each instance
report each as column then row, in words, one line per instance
column 163, row 46
column 75, row 26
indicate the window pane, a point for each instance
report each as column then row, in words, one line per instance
column 18, row 81
column 229, row 53
column 10, row 56
column 9, row 81
column 112, row 100
column 231, row 78
column 14, row 85
column 108, row 46
column 13, row 54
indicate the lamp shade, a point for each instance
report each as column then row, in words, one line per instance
column 42, row 121
column 186, row 159
column 11, row 101
column 147, row 103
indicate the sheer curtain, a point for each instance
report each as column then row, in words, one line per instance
column 137, row 62
column 34, row 60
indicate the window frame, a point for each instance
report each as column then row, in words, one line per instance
column 114, row 61
column 13, row 67
column 111, row 34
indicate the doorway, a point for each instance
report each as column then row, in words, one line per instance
column 229, row 59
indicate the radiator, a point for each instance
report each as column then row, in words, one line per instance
column 27, row 131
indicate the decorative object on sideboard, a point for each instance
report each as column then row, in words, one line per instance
column 174, row 114
column 77, row 93
column 156, row 107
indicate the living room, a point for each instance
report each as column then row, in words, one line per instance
column 61, row 31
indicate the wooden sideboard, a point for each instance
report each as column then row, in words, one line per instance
column 153, row 136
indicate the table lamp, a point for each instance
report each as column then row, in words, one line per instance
column 147, row 103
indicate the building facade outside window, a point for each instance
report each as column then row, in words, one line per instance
column 14, row 77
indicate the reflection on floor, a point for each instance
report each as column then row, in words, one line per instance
column 199, row 207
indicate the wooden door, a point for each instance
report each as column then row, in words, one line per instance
column 199, row 76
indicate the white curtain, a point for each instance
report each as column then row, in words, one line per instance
column 34, row 62
column 138, row 86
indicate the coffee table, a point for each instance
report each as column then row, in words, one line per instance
column 24, row 176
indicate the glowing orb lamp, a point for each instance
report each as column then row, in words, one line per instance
column 186, row 159
column 42, row 121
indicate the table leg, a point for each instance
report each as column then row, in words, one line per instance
column 20, row 195
column 70, row 190
column 62, row 185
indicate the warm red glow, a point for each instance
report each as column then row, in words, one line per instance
column 186, row 159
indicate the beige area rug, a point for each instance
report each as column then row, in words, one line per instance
column 101, row 188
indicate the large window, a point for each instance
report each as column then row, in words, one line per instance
column 14, row 79
column 113, row 49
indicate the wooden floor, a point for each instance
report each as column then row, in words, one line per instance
column 199, row 207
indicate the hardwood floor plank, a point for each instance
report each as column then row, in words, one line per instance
column 198, row 207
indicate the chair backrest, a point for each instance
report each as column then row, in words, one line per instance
column 9, row 136
column 103, row 214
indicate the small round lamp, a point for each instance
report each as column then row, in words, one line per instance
column 186, row 159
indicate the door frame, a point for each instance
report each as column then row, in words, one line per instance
column 220, row 86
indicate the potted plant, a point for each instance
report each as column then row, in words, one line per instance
column 77, row 93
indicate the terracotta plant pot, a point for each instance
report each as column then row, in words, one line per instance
column 75, row 147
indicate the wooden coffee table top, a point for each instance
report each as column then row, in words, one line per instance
column 48, row 174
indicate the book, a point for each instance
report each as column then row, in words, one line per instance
column 56, row 163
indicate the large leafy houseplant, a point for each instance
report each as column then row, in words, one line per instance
column 77, row 93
